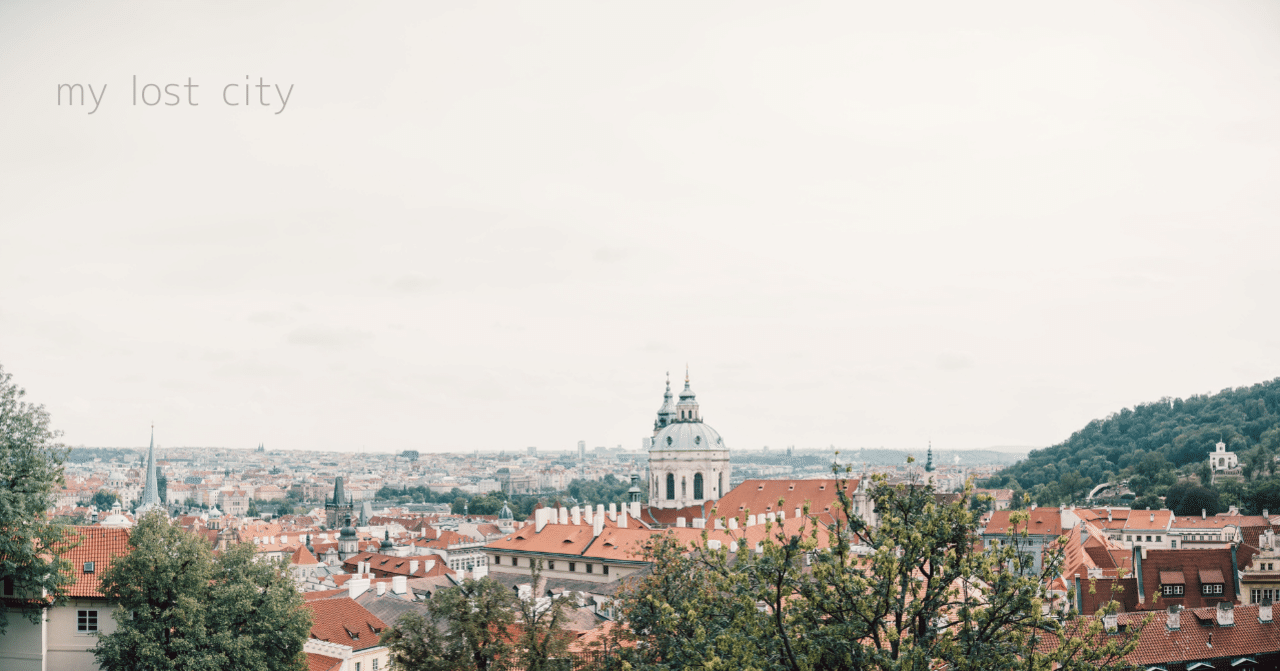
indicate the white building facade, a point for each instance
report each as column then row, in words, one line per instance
column 688, row 460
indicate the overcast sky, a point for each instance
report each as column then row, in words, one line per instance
column 494, row 226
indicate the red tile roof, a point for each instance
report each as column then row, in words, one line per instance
column 342, row 620
column 98, row 545
column 1199, row 637
column 1041, row 521
column 317, row 662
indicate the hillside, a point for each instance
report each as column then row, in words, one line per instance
column 1154, row 444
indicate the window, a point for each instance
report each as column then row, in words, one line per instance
column 357, row 666
column 1158, row 539
column 591, row 568
column 8, row 587
column 551, row 566
column 573, row 566
column 1148, row 539
column 1171, row 590
column 606, row 569
column 1128, row 538
column 697, row 486
column 1173, row 544
column 671, row 486
column 1211, row 589
column 374, row 664
column 86, row 621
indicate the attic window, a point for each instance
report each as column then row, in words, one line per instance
column 88, row 567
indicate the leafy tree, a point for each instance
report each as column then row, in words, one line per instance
column 104, row 499
column 180, row 607
column 162, row 486
column 1188, row 498
column 252, row 511
column 30, row 469
column 1148, row 502
column 914, row 592
column 1263, row 495
column 467, row 629
column 543, row 640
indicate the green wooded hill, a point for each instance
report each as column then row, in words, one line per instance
column 1154, row 444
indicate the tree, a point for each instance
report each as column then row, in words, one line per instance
column 162, row 486
column 104, row 499
column 467, row 629
column 1188, row 498
column 253, row 509
column 916, row 591
column 543, row 639
column 30, row 542
column 180, row 607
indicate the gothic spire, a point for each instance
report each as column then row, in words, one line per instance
column 151, row 493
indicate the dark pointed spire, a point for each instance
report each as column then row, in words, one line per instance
column 151, row 492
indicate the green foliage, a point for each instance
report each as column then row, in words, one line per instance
column 180, row 607
column 914, row 592
column 1189, row 498
column 543, row 640
column 30, row 470
column 104, row 499
column 467, row 630
column 1155, row 439
column 604, row 491
column 252, row 510
column 162, row 487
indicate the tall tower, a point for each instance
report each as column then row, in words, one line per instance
column 339, row 509
column 151, row 492
column 928, row 462
column 688, row 460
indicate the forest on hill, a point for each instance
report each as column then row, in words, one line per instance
column 1161, row 450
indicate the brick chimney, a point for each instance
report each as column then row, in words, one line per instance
column 1173, row 621
column 1264, row 611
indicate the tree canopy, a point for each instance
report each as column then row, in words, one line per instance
column 30, row 541
column 181, row 607
column 916, row 591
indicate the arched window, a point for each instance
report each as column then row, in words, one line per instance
column 697, row 486
column 671, row 486
column 684, row 487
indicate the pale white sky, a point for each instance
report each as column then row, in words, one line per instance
column 488, row 227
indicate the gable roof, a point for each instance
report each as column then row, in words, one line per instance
column 99, row 545
column 342, row 620
column 1040, row 522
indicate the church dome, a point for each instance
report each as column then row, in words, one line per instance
column 688, row 436
column 505, row 513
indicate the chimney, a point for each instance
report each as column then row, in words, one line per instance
column 1264, row 611
column 413, row 567
column 719, row 523
column 1264, row 513
column 1203, row 514
column 733, row 523
column 598, row 525
column 539, row 520
column 399, row 584
column 564, row 512
column 576, row 513
column 586, row 516
column 797, row 511
column 680, row 522
column 635, row 509
column 751, row 520
column 713, row 544
column 622, row 518
column 613, row 512
column 600, row 512
column 1226, row 614
column 699, row 523
column 1111, row 621
column 771, row 517
column 381, row 588
column 1153, row 517
column 1109, row 513
column 1173, row 621
column 357, row 586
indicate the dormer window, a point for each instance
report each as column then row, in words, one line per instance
column 1211, row 589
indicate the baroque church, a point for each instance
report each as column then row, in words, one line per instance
column 688, row 460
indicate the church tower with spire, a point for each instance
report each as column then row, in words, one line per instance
column 151, row 492
column 688, row 460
